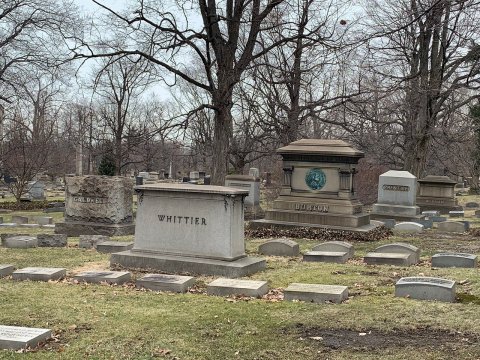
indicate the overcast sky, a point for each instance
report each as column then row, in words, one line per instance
column 90, row 6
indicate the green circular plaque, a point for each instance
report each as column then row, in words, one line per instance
column 315, row 179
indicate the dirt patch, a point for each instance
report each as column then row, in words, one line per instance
column 375, row 339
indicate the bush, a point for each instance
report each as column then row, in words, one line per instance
column 107, row 166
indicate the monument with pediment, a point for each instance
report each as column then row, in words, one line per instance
column 318, row 187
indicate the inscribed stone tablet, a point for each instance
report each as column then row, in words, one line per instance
column 279, row 247
column 113, row 246
column 377, row 258
column 110, row 277
column 15, row 337
column 316, row 293
column 452, row 226
column 459, row 260
column 335, row 246
column 162, row 282
column 226, row 287
column 426, row 288
column 39, row 274
column 400, row 248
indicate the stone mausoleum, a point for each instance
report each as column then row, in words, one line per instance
column 437, row 193
column 318, row 187
column 97, row 205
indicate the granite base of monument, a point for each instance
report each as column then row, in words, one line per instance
column 183, row 264
column 79, row 228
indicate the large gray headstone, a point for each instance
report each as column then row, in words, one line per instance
column 397, row 188
column 16, row 337
column 459, row 260
column 279, row 247
column 426, row 288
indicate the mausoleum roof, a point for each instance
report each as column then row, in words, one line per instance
column 321, row 147
column 437, row 179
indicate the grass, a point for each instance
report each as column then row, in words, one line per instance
column 121, row 322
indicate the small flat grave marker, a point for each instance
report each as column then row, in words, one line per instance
column 279, row 247
column 19, row 219
column 430, row 213
column 8, row 225
column 91, row 241
column 336, row 246
column 110, row 277
column 326, row 256
column 408, row 227
column 162, row 282
column 39, row 274
column 29, row 225
column 377, row 258
column 400, row 248
column 471, row 205
column 113, row 246
column 316, row 293
column 6, row 270
column 438, row 219
column 226, row 287
column 20, row 242
column 459, row 260
column 452, row 226
column 52, row 240
column 427, row 223
column 15, row 337
column 426, row 288
column 456, row 213
column 44, row 220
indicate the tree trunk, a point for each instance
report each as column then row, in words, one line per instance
column 221, row 146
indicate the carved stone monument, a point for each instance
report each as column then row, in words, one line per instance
column 97, row 205
column 190, row 228
column 437, row 193
column 318, row 187
column 396, row 197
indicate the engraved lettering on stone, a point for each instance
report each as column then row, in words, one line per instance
column 183, row 220
column 89, row 200
column 396, row 187
column 311, row 207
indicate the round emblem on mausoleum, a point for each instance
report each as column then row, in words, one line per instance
column 315, row 179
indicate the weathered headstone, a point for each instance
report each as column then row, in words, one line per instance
column 437, row 193
column 98, row 205
column 6, row 270
column 471, row 205
column 19, row 219
column 426, row 288
column 427, row 223
column 36, row 190
column 20, row 242
column 44, row 220
column 318, row 188
column 110, row 277
column 113, row 246
column 39, row 274
column 396, row 197
column 438, row 219
column 8, row 225
column 408, row 227
column 326, row 256
column 194, row 177
column 91, row 241
column 226, row 287
column 52, row 240
column 163, row 282
column 339, row 246
column 29, row 225
column 430, row 213
column 401, row 248
column 279, row 247
column 190, row 228
column 16, row 337
column 456, row 213
column 452, row 226
column 399, row 254
column 246, row 182
column 459, row 260
column 316, row 293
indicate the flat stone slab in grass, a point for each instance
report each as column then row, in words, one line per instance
column 377, row 258
column 162, row 282
column 113, row 246
column 326, row 256
column 52, row 240
column 408, row 227
column 49, row 226
column 438, row 219
column 15, row 337
column 316, row 293
column 430, row 213
column 335, row 246
column 279, row 247
column 6, row 270
column 29, row 225
column 426, row 288
column 456, row 213
column 91, row 241
column 400, row 248
column 39, row 274
column 8, row 225
column 226, row 287
column 44, row 220
column 452, row 226
column 19, row 219
column 20, row 242
column 110, row 277
column 459, row 260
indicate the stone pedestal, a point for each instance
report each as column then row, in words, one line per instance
column 186, row 228
column 437, row 193
column 97, row 205
column 396, row 197
column 252, row 184
column 318, row 188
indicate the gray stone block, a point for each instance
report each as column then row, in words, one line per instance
column 15, row 337
column 91, row 241
column 52, row 240
column 401, row 248
column 39, row 274
column 19, row 219
column 326, row 256
column 427, row 223
column 316, row 293
column 162, row 282
column 459, row 260
column 4, row 236
column 456, row 213
column 477, row 213
column 430, row 213
column 6, row 270
column 29, row 225
column 408, row 227
column 7, row 225
column 113, row 246
column 20, row 242
column 389, row 223
column 44, row 220
column 226, row 287
column 279, row 247
column 452, row 226
column 79, row 229
column 1, row 220
column 426, row 288
column 110, row 277
column 438, row 218
column 335, row 246
column 378, row 258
